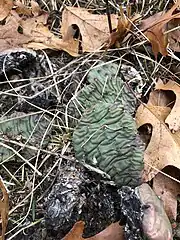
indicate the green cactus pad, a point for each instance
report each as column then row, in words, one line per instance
column 22, row 128
column 106, row 85
column 106, row 139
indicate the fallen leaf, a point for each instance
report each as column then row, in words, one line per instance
column 93, row 28
column 35, row 8
column 42, row 38
column 33, row 34
column 5, row 8
column 112, row 232
column 161, row 98
column 155, row 223
column 22, row 9
column 173, row 119
column 164, row 146
column 76, row 232
column 9, row 35
column 150, row 21
column 26, row 10
column 174, row 35
column 4, row 210
column 167, row 190
column 30, row 27
column 124, row 26
column 154, row 29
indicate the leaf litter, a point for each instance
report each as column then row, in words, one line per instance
column 93, row 31
column 35, row 33
column 163, row 149
column 83, row 31
column 124, row 26
column 157, row 154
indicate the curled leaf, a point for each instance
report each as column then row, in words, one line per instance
column 4, row 210
column 124, row 26
column 155, row 28
column 173, row 119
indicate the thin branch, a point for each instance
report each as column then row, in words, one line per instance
column 108, row 16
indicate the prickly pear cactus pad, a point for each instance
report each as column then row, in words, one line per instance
column 22, row 128
column 106, row 139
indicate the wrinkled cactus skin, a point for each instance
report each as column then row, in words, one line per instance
column 107, row 86
column 20, row 127
column 106, row 139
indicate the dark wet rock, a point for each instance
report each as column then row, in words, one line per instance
column 81, row 195
column 15, row 60
column 133, row 213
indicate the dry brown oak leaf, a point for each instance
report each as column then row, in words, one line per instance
column 125, row 24
column 167, row 190
column 4, row 210
column 112, row 232
column 174, row 35
column 93, row 28
column 164, row 147
column 34, row 34
column 9, row 35
column 5, row 8
column 155, row 26
column 173, row 119
column 40, row 36
column 21, row 8
column 32, row 10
